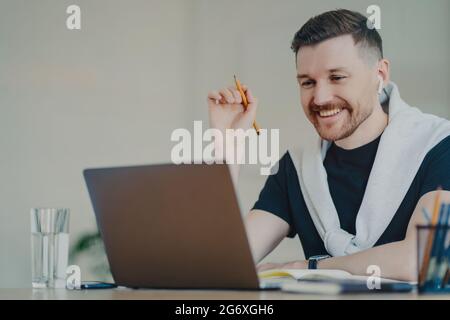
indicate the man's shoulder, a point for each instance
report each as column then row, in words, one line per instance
column 434, row 171
column 284, row 166
column 440, row 148
column 439, row 155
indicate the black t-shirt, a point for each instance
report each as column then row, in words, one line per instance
column 348, row 173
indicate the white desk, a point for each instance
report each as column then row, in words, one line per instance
column 127, row 294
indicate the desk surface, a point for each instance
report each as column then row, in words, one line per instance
column 126, row 294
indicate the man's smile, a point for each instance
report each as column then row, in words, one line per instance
column 330, row 117
column 329, row 113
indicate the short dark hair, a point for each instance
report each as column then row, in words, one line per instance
column 337, row 23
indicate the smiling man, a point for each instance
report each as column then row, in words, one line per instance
column 354, row 197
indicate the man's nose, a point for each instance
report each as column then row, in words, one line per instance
column 322, row 94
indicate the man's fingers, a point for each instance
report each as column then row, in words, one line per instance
column 236, row 94
column 232, row 96
column 215, row 96
column 250, row 98
column 227, row 95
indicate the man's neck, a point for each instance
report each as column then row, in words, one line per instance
column 367, row 131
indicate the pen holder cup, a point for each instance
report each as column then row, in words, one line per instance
column 433, row 255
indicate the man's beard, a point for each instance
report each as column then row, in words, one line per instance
column 348, row 125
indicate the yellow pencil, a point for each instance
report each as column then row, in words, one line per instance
column 245, row 102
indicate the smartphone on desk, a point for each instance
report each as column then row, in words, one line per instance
column 97, row 285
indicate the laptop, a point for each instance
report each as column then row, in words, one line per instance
column 173, row 226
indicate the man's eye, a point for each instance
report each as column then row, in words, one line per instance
column 337, row 78
column 307, row 84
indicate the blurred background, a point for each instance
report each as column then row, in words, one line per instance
column 111, row 94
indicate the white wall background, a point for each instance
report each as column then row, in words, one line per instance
column 112, row 93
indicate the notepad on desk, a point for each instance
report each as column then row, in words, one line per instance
column 323, row 281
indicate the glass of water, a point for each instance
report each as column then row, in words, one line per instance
column 49, row 247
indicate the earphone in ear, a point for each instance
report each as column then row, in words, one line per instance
column 380, row 85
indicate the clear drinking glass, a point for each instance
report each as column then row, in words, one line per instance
column 49, row 246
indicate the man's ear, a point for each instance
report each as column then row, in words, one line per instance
column 383, row 71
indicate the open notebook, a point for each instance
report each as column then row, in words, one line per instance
column 324, row 281
column 319, row 274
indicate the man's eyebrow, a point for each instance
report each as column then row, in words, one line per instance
column 342, row 69
column 338, row 69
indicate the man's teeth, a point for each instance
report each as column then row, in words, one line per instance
column 329, row 113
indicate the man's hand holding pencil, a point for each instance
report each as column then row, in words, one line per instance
column 232, row 108
column 227, row 109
